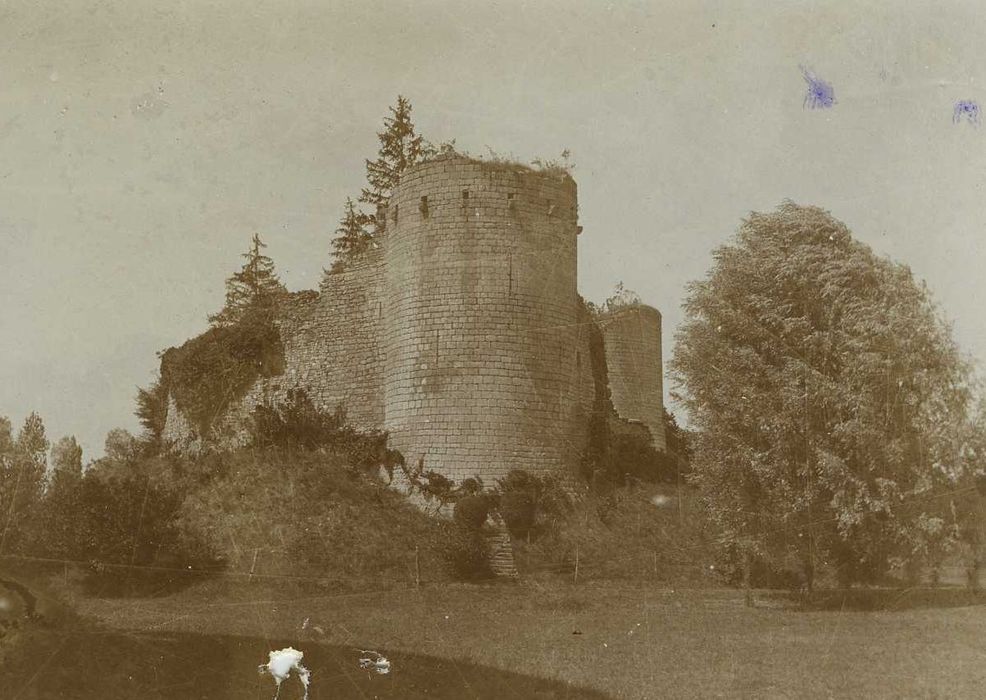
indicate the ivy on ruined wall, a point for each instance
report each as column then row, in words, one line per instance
column 616, row 449
column 594, row 458
column 208, row 373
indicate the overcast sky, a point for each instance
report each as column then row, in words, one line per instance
column 141, row 144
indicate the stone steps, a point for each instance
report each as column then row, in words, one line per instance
column 502, row 554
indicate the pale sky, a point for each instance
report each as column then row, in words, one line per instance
column 141, row 144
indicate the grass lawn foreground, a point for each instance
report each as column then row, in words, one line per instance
column 625, row 640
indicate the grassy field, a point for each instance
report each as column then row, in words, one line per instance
column 624, row 640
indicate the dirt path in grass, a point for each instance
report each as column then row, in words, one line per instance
column 626, row 641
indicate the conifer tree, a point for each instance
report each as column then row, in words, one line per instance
column 255, row 286
column 352, row 238
column 400, row 148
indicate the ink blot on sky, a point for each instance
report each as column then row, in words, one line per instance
column 820, row 94
column 966, row 110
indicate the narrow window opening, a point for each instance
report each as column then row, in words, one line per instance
column 423, row 207
column 510, row 275
column 511, row 200
column 395, row 213
column 465, row 196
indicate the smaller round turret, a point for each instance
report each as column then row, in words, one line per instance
column 632, row 337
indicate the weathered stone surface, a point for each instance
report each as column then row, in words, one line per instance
column 632, row 338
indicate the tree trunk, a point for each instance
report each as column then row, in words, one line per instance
column 747, row 591
column 972, row 568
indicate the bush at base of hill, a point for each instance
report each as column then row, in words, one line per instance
column 629, row 533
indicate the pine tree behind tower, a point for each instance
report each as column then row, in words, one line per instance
column 400, row 148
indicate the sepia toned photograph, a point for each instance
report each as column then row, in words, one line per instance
column 558, row 349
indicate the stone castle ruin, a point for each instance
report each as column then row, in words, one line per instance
column 461, row 332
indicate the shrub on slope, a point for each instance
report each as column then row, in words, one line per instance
column 308, row 514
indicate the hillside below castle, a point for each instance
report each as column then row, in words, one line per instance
column 461, row 332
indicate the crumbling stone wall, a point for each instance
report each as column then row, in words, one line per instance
column 331, row 351
column 632, row 338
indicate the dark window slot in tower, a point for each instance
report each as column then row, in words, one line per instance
column 423, row 207
column 511, row 200
column 395, row 213
column 510, row 275
column 465, row 196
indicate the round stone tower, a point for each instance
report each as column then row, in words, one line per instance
column 480, row 329
column 632, row 337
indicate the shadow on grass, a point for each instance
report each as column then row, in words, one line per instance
column 110, row 665
column 879, row 599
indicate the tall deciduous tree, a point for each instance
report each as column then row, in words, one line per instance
column 152, row 412
column 825, row 388
column 352, row 237
column 255, row 286
column 6, row 442
column 400, row 148
column 22, row 482
column 66, row 457
column 121, row 446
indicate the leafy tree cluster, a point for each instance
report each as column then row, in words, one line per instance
column 829, row 400
column 113, row 515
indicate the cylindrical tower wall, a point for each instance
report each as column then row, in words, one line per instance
column 480, row 324
column 632, row 337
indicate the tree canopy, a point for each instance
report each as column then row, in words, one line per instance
column 254, row 286
column 66, row 457
column 23, row 464
column 400, row 148
column 352, row 237
column 828, row 396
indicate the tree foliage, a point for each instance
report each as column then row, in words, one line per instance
column 352, row 237
column 66, row 457
column 400, row 148
column 152, row 412
column 255, row 286
column 827, row 393
column 23, row 467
